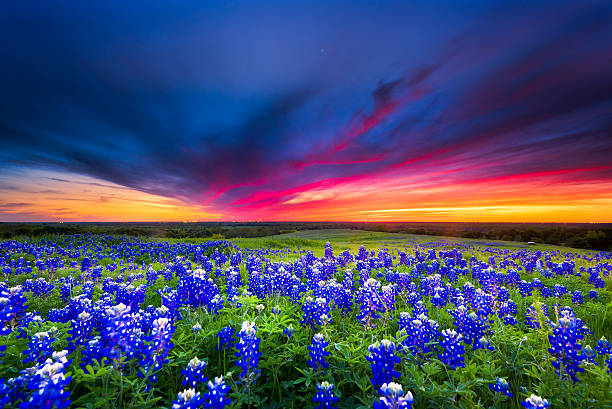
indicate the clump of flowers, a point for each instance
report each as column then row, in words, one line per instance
column 41, row 386
column 156, row 347
column 420, row 332
column 393, row 397
column 383, row 360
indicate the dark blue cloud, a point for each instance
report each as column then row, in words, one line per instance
column 190, row 99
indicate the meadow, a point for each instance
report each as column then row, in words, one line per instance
column 309, row 319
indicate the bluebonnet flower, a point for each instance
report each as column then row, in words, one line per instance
column 89, row 286
column 565, row 347
column 383, row 360
column 532, row 317
column 589, row 355
column 324, row 398
column 156, row 346
column 510, row 320
column 501, row 385
column 66, row 289
column 85, row 264
column 42, row 386
column 314, row 311
column 329, row 253
column 535, row 402
column 577, row 297
column 288, row 331
column 197, row 327
column 603, row 346
column 393, row 397
column 38, row 287
column 216, row 397
column 194, row 373
column 40, row 346
column 593, row 294
column 420, row 333
column 188, row 399
column 226, row 338
column 371, row 302
column 525, row 288
column 318, row 352
column 276, row 310
column 452, row 350
column 483, row 343
column 471, row 326
column 12, row 306
column 80, row 330
column 118, row 335
column 248, row 352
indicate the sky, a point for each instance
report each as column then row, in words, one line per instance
column 490, row 111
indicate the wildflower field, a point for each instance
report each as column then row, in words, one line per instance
column 308, row 320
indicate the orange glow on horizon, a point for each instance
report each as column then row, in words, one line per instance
column 49, row 196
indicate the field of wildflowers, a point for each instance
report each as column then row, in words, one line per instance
column 98, row 321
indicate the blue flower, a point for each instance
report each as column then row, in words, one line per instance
column 535, row 402
column 603, row 346
column 383, row 360
column 501, row 385
column 288, row 332
column 40, row 346
column 324, row 398
column 188, row 399
column 226, row 338
column 194, row 373
column 248, row 353
column 318, row 352
column 565, row 346
column 393, row 397
column 217, row 394
column 452, row 350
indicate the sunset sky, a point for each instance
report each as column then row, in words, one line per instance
column 306, row 111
